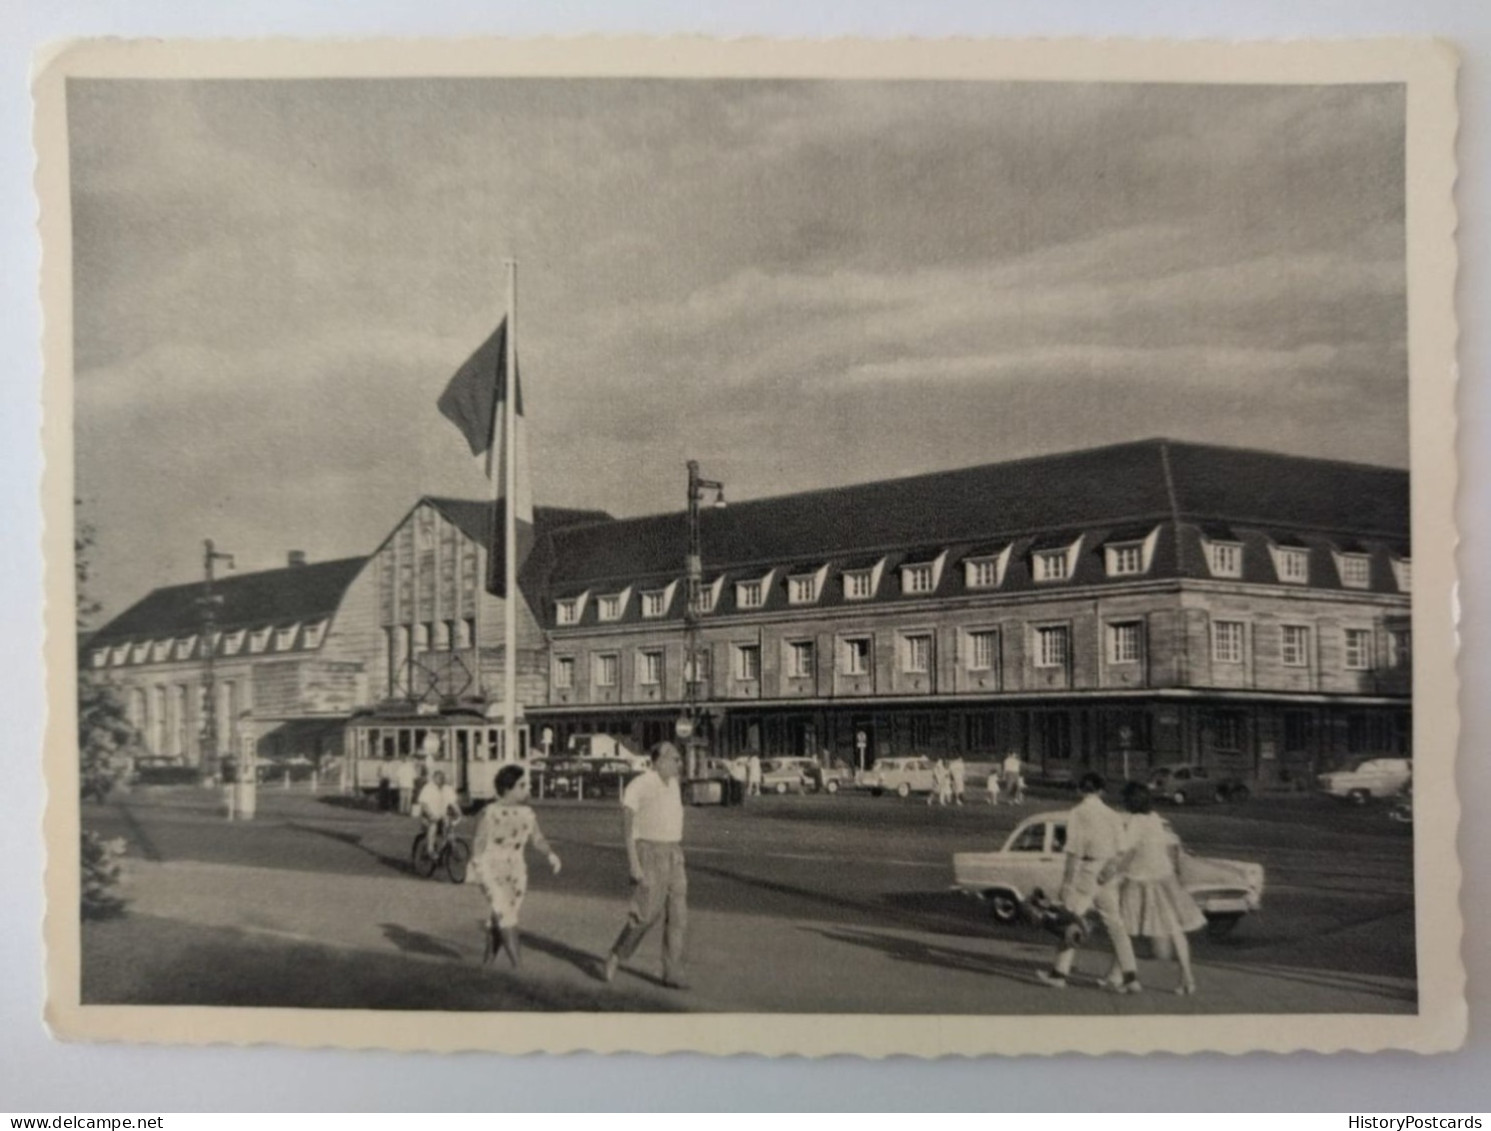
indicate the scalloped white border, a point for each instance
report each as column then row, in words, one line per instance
column 1427, row 67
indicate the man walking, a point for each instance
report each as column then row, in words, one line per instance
column 404, row 777
column 652, row 828
column 753, row 775
column 1094, row 839
column 959, row 771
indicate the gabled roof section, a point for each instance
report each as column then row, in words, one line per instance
column 268, row 598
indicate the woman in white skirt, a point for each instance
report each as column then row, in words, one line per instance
column 1153, row 902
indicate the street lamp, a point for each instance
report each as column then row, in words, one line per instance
column 693, row 607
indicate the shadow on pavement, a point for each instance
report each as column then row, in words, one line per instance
column 944, row 958
column 417, row 942
column 354, row 840
column 582, row 960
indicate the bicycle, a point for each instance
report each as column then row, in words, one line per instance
column 451, row 852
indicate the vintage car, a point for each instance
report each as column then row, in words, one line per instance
column 788, row 775
column 1369, row 779
column 721, row 768
column 901, row 776
column 1032, row 861
column 1184, row 784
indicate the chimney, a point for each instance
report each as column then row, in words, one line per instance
column 296, row 558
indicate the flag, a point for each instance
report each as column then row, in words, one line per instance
column 475, row 401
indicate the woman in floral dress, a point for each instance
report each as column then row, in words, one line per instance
column 502, row 833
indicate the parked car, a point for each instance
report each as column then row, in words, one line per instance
column 902, row 776
column 832, row 778
column 1031, row 861
column 606, row 747
column 1369, row 779
column 1184, row 784
column 787, row 775
column 159, row 769
column 725, row 768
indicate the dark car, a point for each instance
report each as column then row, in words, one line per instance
column 157, row 769
column 1184, row 784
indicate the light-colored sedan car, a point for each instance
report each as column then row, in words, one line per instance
column 1373, row 778
column 901, row 776
column 1032, row 860
column 788, row 775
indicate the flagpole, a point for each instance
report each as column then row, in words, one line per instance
column 509, row 480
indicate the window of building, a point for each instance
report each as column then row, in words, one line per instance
column 1224, row 559
column 564, row 673
column 1299, row 730
column 100, row 657
column 1296, row 652
column 610, row 607
column 1358, row 649
column 803, row 589
column 313, row 634
column 259, row 640
column 654, row 602
column 748, row 662
column 859, row 585
column 857, row 655
column 1227, row 641
column 184, row 646
column 916, row 653
column 1399, row 648
column 983, row 650
column 800, row 657
column 698, row 671
column 749, row 595
column 1228, row 731
column 982, row 573
column 1125, row 642
column 606, row 665
column 650, row 667
column 1051, row 565
column 421, row 637
column 709, row 595
column 1403, row 574
column 917, row 578
column 1356, row 570
column 1052, row 646
column 567, row 612
column 1125, row 559
column 1292, row 564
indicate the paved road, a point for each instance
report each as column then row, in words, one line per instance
column 863, row 874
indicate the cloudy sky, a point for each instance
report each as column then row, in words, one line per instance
column 800, row 284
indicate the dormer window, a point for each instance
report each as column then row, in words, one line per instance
column 1051, row 565
column 184, row 646
column 140, row 652
column 1224, row 559
column 916, row 578
column 1403, row 574
column 749, row 595
column 259, row 639
column 160, row 650
column 233, row 642
column 1355, row 570
column 804, row 588
column 858, row 585
column 569, row 610
column 709, row 595
column 284, row 637
column 986, row 571
column 612, row 605
column 1125, row 559
column 655, row 602
column 120, row 655
column 100, row 657
column 1291, row 564
column 314, row 632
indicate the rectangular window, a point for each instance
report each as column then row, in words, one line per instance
column 1296, row 649
column 1403, row 574
column 698, row 671
column 857, row 655
column 858, row 585
column 1050, row 565
column 1356, row 571
column 708, row 595
column 1399, row 648
column 606, row 665
column 1227, row 727
column 655, row 603
column 983, row 573
column 567, row 612
column 983, row 650
column 1358, row 649
column 802, row 590
column 748, row 595
column 1224, row 559
column 800, row 658
column 1294, row 565
column 1126, row 559
column 650, row 667
column 748, row 662
column 1125, row 643
column 916, row 654
column 564, row 673
column 1227, row 641
column 611, row 607
column 1299, row 729
column 1052, row 646
column 916, row 579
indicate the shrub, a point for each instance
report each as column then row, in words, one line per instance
column 101, row 869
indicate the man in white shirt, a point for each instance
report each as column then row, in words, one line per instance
column 437, row 804
column 652, row 828
column 1013, row 782
column 1094, row 839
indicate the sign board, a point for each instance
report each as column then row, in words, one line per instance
column 861, row 739
column 684, row 727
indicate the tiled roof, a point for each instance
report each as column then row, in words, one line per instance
column 1119, row 493
column 271, row 597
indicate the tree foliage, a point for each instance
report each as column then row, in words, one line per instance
column 104, row 731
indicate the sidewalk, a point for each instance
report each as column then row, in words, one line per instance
column 739, row 962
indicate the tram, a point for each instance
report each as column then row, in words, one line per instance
column 459, row 740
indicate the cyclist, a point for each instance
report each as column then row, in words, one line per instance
column 438, row 809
